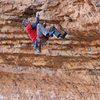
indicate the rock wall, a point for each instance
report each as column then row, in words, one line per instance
column 70, row 72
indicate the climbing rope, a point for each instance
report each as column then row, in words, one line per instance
column 61, row 43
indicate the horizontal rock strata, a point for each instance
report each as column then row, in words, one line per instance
column 68, row 72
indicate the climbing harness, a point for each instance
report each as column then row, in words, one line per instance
column 41, row 37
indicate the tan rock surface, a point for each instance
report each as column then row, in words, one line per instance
column 71, row 73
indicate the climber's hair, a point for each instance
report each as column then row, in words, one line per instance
column 24, row 22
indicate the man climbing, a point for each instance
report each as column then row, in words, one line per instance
column 39, row 34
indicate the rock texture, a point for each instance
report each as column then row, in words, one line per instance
column 70, row 72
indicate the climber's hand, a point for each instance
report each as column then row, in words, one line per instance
column 37, row 14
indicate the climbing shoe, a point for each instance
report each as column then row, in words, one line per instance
column 63, row 35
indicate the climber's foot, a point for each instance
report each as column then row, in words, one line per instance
column 63, row 35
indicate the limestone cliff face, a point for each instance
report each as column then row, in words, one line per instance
column 71, row 72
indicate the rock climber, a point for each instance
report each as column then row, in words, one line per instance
column 39, row 34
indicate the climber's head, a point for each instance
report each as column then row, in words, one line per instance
column 26, row 22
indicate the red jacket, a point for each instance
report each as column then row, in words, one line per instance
column 31, row 32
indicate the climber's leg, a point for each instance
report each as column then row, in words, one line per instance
column 39, row 49
column 41, row 31
column 54, row 31
column 57, row 33
column 35, row 45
